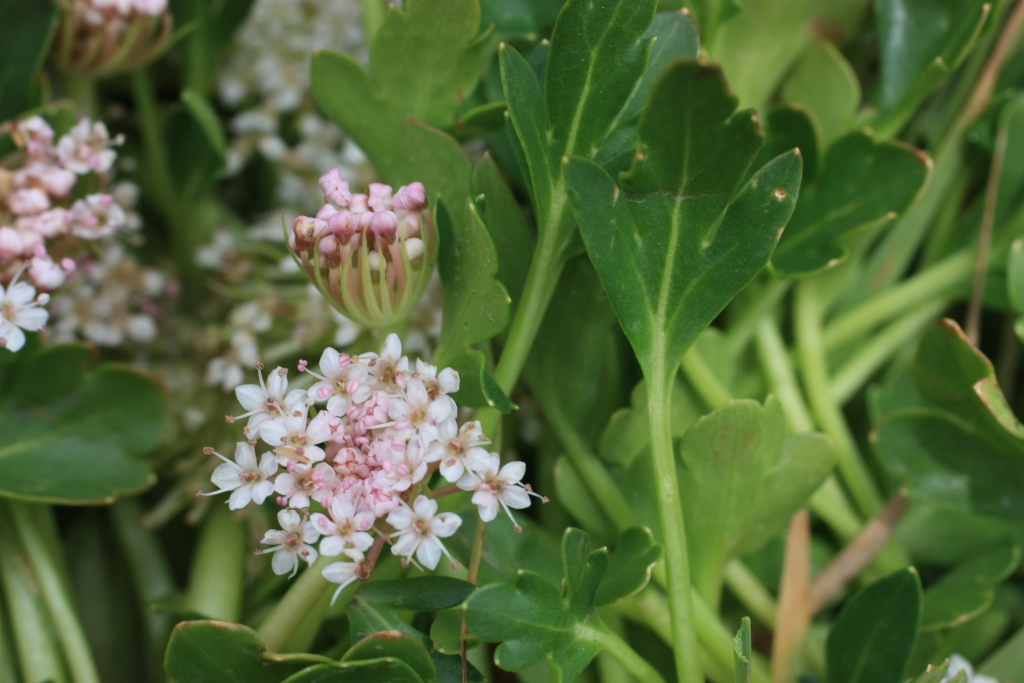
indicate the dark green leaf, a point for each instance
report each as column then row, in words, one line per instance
column 47, row 375
column 744, row 477
column 476, row 306
column 446, row 633
column 26, row 29
column 477, row 386
column 864, row 183
column 743, row 653
column 221, row 652
column 533, row 622
column 874, row 635
column 525, row 19
column 825, row 83
column 483, row 120
column 394, row 645
column 670, row 247
column 367, row 671
column 199, row 153
column 507, row 552
column 920, row 43
column 79, row 450
column 792, row 127
column 965, row 451
column 507, row 225
column 969, row 589
column 629, row 565
column 375, row 605
column 628, row 431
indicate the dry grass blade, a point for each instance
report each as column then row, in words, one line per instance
column 794, row 615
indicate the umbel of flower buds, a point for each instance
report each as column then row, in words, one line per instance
column 372, row 254
column 106, row 37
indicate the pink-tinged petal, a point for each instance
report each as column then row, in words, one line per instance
column 226, row 477
column 277, row 383
column 513, row 471
column 323, row 523
column 284, row 562
column 295, row 400
column 268, row 465
column 274, row 432
column 262, row 491
column 400, row 518
column 425, row 507
column 452, row 469
column 251, row 396
column 338, row 405
column 289, row 519
column 285, row 484
column 445, row 524
column 339, row 572
column 329, row 366
column 479, row 460
column 429, row 552
column 299, row 500
column 487, row 504
column 516, row 497
column 315, row 453
column 310, row 533
column 468, row 481
column 309, row 554
column 20, row 294
column 448, row 380
column 245, row 456
column 332, row 546
column 319, row 429
column 406, row 545
column 364, row 520
column 360, row 540
column 31, row 318
column 240, row 498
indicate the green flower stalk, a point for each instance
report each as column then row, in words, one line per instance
column 371, row 255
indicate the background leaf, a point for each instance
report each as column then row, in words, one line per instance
column 874, row 635
column 825, row 83
column 395, row 645
column 969, row 589
column 221, row 652
column 629, row 565
column 26, row 30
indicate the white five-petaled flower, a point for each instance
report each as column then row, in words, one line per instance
column 268, row 400
column 342, row 384
column 493, row 486
column 345, row 528
column 290, row 543
column 296, row 438
column 453, row 450
column 344, row 573
column 419, row 530
column 246, row 480
column 20, row 309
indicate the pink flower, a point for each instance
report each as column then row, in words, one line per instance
column 345, row 528
column 290, row 543
column 335, row 188
column 419, row 530
column 411, row 197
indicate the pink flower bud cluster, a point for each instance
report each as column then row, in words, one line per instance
column 371, row 254
column 364, row 462
column 104, row 37
column 39, row 222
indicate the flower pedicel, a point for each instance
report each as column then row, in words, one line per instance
column 366, row 457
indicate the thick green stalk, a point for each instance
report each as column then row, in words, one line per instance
column 308, row 590
column 673, row 528
column 702, row 377
column 747, row 322
column 38, row 656
column 934, row 282
column 858, row 369
column 218, row 570
column 814, row 363
column 632, row 662
column 55, row 593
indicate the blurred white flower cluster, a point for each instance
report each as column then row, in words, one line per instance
column 366, row 458
column 266, row 81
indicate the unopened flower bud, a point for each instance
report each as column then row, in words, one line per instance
column 375, row 262
column 106, row 38
column 330, row 250
column 335, row 188
column 414, row 248
column 326, row 211
column 306, row 231
column 45, row 273
column 384, row 225
column 359, row 204
column 411, row 197
column 409, row 224
column 380, row 197
column 11, row 243
column 343, row 224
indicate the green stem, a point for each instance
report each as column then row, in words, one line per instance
column 7, row 670
column 827, row 414
column 673, row 528
column 703, row 379
column 218, row 570
column 308, row 590
column 632, row 662
column 858, row 369
column 55, row 593
column 82, row 90
column 38, row 655
column 749, row 319
column 751, row 592
column 934, row 282
column 1007, row 662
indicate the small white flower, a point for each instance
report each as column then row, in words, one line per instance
column 493, row 486
column 290, row 542
column 958, row 664
column 345, row 528
column 453, row 449
column 268, row 401
column 342, row 384
column 419, row 412
column 246, row 480
column 419, row 530
column 344, row 573
column 295, row 439
column 20, row 309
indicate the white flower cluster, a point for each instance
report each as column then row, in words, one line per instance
column 38, row 218
column 100, row 11
column 267, row 80
column 366, row 456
